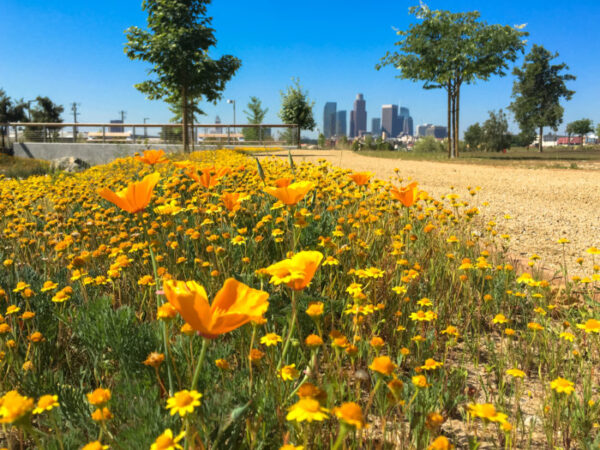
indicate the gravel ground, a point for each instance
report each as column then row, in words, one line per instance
column 545, row 203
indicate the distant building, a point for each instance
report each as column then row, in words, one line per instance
column 376, row 126
column 329, row 119
column 437, row 131
column 406, row 123
column 389, row 120
column 116, row 129
column 358, row 117
column 340, row 124
column 422, row 129
column 218, row 130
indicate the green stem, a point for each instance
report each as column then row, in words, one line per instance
column 341, row 436
column 163, row 324
column 199, row 364
column 289, row 336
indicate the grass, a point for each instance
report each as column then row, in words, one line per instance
column 16, row 167
column 559, row 158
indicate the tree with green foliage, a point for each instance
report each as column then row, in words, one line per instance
column 428, row 144
column 321, row 140
column 45, row 111
column 297, row 109
column 10, row 111
column 537, row 92
column 255, row 114
column 598, row 131
column 495, row 132
column 177, row 45
column 473, row 136
column 524, row 139
column 447, row 50
column 580, row 127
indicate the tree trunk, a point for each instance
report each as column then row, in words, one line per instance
column 449, row 129
column 541, row 136
column 299, row 146
column 456, row 119
column 191, row 111
column 184, row 119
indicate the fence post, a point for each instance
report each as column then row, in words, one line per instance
column 43, row 134
column 16, row 134
column 103, row 134
column 133, row 134
column 228, row 136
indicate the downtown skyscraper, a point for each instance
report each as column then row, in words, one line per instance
column 329, row 119
column 358, row 117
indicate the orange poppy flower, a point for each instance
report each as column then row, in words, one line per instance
column 152, row 157
column 291, row 194
column 232, row 201
column 135, row 197
column 297, row 271
column 361, row 178
column 209, row 176
column 283, row 182
column 406, row 195
column 234, row 305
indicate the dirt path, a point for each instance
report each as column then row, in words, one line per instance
column 545, row 204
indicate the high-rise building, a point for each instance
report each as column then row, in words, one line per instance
column 389, row 120
column 218, row 130
column 329, row 119
column 406, row 122
column 422, row 129
column 375, row 126
column 358, row 117
column 340, row 124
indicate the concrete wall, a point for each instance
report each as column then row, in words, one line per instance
column 93, row 154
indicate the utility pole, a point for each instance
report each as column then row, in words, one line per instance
column 74, row 106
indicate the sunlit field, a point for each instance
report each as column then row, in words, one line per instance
column 212, row 301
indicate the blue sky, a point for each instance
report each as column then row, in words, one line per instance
column 73, row 51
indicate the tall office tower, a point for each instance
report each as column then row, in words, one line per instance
column 340, row 123
column 360, row 116
column 389, row 120
column 375, row 126
column 406, row 123
column 408, row 126
column 352, row 124
column 329, row 119
column 422, row 129
column 218, row 130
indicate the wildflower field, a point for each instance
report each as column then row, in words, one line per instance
column 218, row 302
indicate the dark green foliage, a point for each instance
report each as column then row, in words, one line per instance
column 176, row 44
column 473, row 136
column 446, row 49
column 537, row 92
column 580, row 127
column 495, row 132
column 255, row 115
column 296, row 108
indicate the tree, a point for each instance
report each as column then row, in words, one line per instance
column 495, row 132
column 255, row 115
column 537, row 92
column 428, row 144
column 598, row 131
column 10, row 111
column 580, row 127
column 447, row 50
column 177, row 43
column 473, row 136
column 193, row 111
column 45, row 111
column 296, row 108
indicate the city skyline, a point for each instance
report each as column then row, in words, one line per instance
column 396, row 120
column 80, row 48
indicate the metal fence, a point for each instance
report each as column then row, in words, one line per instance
column 201, row 135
